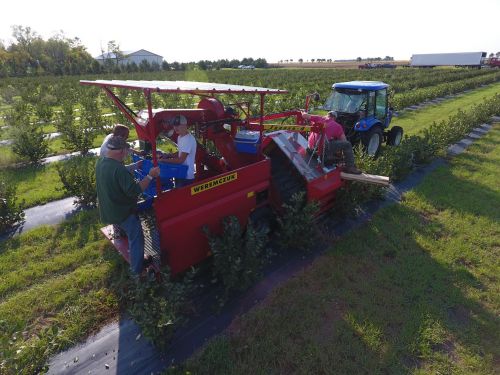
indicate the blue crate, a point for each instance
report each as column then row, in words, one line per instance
column 150, row 191
column 167, row 170
column 247, row 141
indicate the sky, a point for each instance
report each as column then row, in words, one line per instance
column 193, row 30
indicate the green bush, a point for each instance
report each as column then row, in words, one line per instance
column 44, row 109
column 78, row 178
column 296, row 227
column 158, row 307
column 79, row 135
column 10, row 212
column 29, row 139
column 238, row 255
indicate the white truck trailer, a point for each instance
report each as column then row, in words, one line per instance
column 462, row 59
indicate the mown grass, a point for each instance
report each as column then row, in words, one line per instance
column 416, row 290
column 54, row 291
column 414, row 122
column 34, row 184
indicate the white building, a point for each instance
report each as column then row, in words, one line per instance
column 129, row 57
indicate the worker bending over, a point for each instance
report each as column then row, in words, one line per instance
column 334, row 136
column 117, row 194
column 186, row 143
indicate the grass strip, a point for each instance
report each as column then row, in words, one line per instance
column 67, row 298
column 413, row 122
column 35, row 185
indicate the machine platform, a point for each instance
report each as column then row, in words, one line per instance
column 151, row 247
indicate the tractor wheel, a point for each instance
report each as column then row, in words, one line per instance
column 395, row 136
column 372, row 140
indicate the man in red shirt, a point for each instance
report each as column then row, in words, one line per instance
column 334, row 136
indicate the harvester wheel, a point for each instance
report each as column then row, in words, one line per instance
column 372, row 140
column 395, row 136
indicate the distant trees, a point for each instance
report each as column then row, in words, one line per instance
column 30, row 55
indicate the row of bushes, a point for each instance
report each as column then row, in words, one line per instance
column 29, row 140
column 413, row 97
column 407, row 86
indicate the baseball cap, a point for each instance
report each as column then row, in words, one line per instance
column 117, row 143
column 179, row 120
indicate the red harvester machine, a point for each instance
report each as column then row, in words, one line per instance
column 243, row 166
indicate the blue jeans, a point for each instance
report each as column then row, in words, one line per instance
column 132, row 226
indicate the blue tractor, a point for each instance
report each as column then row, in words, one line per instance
column 362, row 109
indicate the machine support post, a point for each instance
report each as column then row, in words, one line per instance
column 261, row 120
column 147, row 94
column 120, row 106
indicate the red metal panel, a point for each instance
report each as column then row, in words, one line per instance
column 323, row 189
column 182, row 213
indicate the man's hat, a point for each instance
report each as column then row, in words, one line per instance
column 230, row 111
column 179, row 120
column 332, row 114
column 117, row 143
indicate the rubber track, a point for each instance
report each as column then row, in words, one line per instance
column 285, row 178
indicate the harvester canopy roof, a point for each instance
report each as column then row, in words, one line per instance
column 361, row 85
column 187, row 87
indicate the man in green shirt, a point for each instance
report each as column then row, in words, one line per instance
column 117, row 193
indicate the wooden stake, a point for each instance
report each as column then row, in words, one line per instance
column 366, row 178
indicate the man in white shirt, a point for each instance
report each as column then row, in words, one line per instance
column 186, row 144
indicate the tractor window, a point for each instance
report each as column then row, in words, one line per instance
column 371, row 103
column 381, row 104
column 346, row 101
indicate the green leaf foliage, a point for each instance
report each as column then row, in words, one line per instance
column 239, row 254
column 10, row 212
column 297, row 228
column 78, row 179
column 29, row 141
column 158, row 307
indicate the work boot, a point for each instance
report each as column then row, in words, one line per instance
column 352, row 170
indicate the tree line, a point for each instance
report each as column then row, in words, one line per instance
column 30, row 55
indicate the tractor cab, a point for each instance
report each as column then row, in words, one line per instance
column 362, row 109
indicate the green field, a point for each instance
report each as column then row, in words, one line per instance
column 416, row 290
column 413, row 291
